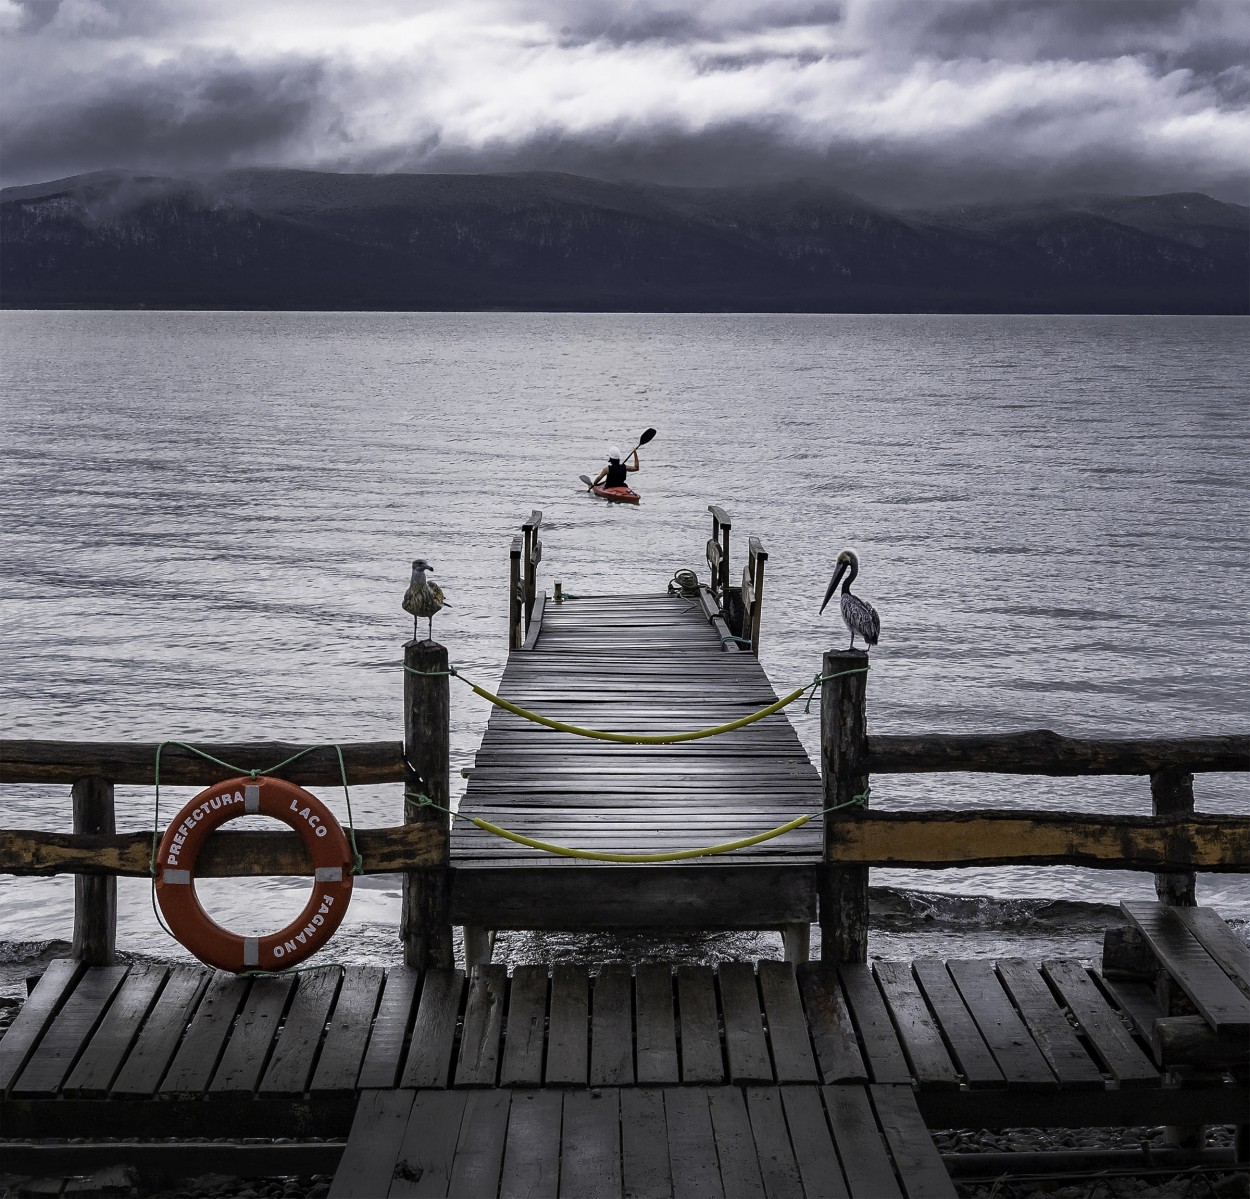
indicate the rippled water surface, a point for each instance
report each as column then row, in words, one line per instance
column 206, row 522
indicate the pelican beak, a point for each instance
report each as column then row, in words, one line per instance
column 833, row 583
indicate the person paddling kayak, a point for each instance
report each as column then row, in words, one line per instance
column 613, row 475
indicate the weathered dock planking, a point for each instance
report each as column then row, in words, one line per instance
column 636, row 664
column 123, row 1050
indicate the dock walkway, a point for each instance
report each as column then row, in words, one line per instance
column 637, row 664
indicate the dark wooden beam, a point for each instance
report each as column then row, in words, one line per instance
column 970, row 838
column 1040, row 751
column 135, row 764
column 227, row 854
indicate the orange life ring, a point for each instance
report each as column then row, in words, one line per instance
column 180, row 847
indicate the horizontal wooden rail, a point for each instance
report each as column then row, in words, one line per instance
column 226, row 854
column 68, row 761
column 1041, row 751
column 939, row 840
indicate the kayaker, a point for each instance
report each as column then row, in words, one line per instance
column 613, row 475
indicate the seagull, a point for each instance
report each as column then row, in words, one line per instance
column 858, row 616
column 423, row 598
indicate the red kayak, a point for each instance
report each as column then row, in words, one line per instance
column 618, row 495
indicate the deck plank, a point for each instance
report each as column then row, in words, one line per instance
column 369, row 1157
column 252, row 1038
column 692, row 1145
column 701, row 1056
column 972, row 1054
column 157, row 1041
column 590, row 1159
column 67, row 1034
column 568, row 1033
column 1120, row 1054
column 1211, row 931
column 347, row 1035
column 745, row 1046
column 107, row 1050
column 915, row 1156
column 385, row 1052
column 427, row 1152
column 290, row 1068
column 778, row 1168
column 655, row 1025
column 522, row 1063
column 479, row 1150
column 922, row 1042
column 196, row 1059
column 791, row 1043
column 434, row 1030
column 1049, row 1025
column 531, row 1163
column 478, row 1062
column 645, row 1170
column 829, row 1018
column 814, row 1151
column 860, row 1145
column 1020, row 1060
column 881, row 1048
column 611, row 1028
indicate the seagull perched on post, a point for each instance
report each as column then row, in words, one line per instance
column 858, row 616
column 423, row 598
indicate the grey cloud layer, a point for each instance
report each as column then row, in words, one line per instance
column 900, row 100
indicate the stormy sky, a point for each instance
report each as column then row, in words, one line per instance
column 900, row 101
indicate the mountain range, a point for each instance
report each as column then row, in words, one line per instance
column 290, row 239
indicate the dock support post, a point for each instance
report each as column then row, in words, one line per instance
column 843, row 890
column 516, row 627
column 425, row 924
column 1172, row 793
column 95, row 897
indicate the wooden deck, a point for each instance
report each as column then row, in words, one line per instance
column 167, row 1050
column 643, row 664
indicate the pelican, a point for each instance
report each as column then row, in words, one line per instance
column 858, row 616
column 423, row 598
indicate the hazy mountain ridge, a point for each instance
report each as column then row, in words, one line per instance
column 304, row 239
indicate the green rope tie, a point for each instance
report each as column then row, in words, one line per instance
column 730, row 637
column 638, row 738
column 418, row 800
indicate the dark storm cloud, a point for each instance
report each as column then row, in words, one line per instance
column 903, row 101
column 194, row 113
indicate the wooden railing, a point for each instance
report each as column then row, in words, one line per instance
column 741, row 609
column 718, row 554
column 1171, row 843
column 525, row 553
column 753, row 594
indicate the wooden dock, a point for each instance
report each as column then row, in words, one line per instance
column 815, row 1079
column 637, row 664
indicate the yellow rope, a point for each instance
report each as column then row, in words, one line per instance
column 676, row 855
column 636, row 738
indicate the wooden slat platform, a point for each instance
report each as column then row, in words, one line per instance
column 167, row 1051
column 702, row 1142
column 644, row 664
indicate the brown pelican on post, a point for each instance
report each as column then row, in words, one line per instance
column 423, row 598
column 858, row 616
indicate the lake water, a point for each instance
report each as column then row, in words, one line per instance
column 207, row 520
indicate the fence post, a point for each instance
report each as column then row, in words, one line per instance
column 95, row 896
column 516, row 630
column 425, row 923
column 843, row 753
column 1172, row 793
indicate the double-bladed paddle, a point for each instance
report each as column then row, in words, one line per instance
column 647, row 435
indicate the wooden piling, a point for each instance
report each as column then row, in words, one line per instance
column 843, row 890
column 95, row 896
column 516, row 627
column 1172, row 793
column 425, row 924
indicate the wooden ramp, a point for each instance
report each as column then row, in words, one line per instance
column 636, row 664
column 865, row 1142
